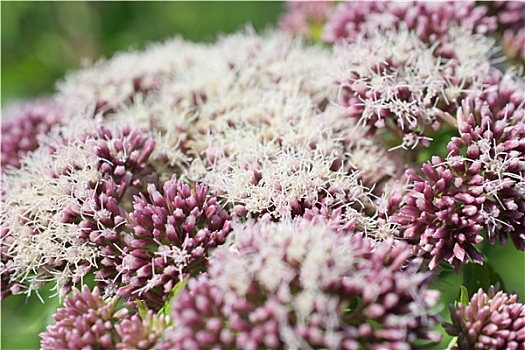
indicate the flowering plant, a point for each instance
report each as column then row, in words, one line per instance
column 266, row 191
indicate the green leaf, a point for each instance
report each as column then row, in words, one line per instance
column 179, row 287
column 453, row 342
column 174, row 294
column 143, row 310
column 317, row 31
column 477, row 276
column 463, row 295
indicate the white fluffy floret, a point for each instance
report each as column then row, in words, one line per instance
column 34, row 200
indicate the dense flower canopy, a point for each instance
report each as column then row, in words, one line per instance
column 294, row 285
column 88, row 321
column 492, row 320
column 172, row 233
column 479, row 187
column 23, row 124
column 61, row 215
column 266, row 191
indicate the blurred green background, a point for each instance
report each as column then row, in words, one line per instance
column 42, row 41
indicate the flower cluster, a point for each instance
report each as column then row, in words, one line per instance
column 496, row 147
column 492, row 320
column 277, row 177
column 398, row 83
column 431, row 21
column 22, row 124
column 405, row 67
column 240, row 145
column 478, row 187
column 61, row 215
column 87, row 321
column 107, row 84
column 256, row 145
column 244, row 122
column 172, row 233
column 298, row 285
column 505, row 95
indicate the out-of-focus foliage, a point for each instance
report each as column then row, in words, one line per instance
column 42, row 41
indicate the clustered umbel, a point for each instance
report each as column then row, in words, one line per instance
column 281, row 180
column 88, row 321
column 505, row 94
column 61, row 213
column 298, row 285
column 477, row 190
column 430, row 21
column 105, row 85
column 23, row 123
column 398, row 83
column 172, row 233
column 496, row 147
column 491, row 320
column 405, row 67
column 123, row 157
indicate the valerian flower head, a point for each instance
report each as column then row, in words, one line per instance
column 476, row 193
column 172, row 233
column 61, row 215
column 397, row 82
column 504, row 93
column 108, row 84
column 244, row 120
column 495, row 152
column 429, row 20
column 141, row 334
column 436, row 216
column 254, row 143
column 23, row 123
column 298, row 285
column 492, row 320
column 87, row 321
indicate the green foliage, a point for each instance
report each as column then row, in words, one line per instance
column 143, row 309
column 477, row 276
column 174, row 294
column 41, row 41
column 463, row 295
column 438, row 146
column 23, row 318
